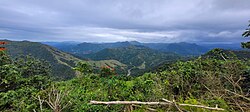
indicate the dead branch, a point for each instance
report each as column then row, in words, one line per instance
column 127, row 103
column 166, row 102
column 238, row 95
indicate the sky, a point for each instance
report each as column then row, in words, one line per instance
column 157, row 21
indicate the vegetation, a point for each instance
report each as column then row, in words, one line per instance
column 20, row 81
column 209, row 81
column 83, row 67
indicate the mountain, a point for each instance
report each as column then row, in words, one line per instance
column 61, row 62
column 183, row 48
column 229, row 46
column 66, row 46
column 137, row 58
column 87, row 48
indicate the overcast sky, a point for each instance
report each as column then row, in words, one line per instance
column 196, row 21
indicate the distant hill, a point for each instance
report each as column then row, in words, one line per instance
column 137, row 58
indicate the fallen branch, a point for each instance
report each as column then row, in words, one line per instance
column 128, row 103
column 166, row 102
column 198, row 106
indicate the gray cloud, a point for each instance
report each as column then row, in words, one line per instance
column 120, row 20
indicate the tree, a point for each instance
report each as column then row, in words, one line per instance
column 107, row 71
column 246, row 34
column 4, row 58
column 83, row 68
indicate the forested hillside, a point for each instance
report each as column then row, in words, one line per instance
column 137, row 58
column 61, row 63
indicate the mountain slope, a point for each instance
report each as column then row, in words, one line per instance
column 135, row 57
column 61, row 62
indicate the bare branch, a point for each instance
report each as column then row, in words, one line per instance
column 151, row 103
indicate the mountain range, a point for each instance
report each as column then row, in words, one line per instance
column 129, row 58
column 80, row 49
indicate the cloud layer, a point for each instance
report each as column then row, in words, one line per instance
column 124, row 20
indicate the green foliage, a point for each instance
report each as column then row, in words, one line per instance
column 29, row 66
column 10, row 77
column 246, row 34
column 20, row 82
column 202, row 81
column 4, row 58
column 245, row 45
column 83, row 67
